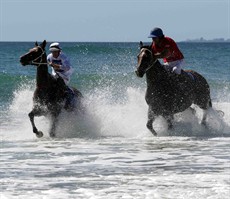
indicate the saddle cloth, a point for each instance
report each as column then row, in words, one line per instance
column 191, row 75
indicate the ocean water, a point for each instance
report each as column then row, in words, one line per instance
column 109, row 153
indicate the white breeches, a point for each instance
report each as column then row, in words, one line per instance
column 175, row 66
column 64, row 75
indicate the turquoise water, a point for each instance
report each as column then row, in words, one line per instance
column 110, row 153
column 100, row 65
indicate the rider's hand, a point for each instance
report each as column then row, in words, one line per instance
column 55, row 66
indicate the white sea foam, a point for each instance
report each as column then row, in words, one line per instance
column 128, row 162
column 161, row 167
column 129, row 117
column 107, row 117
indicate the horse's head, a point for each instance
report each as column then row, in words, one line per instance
column 35, row 55
column 145, row 61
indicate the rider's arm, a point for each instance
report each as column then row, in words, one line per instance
column 49, row 60
column 55, row 66
column 165, row 53
column 65, row 63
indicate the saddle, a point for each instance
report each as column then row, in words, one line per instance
column 188, row 74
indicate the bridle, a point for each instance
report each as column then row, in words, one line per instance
column 33, row 62
column 152, row 61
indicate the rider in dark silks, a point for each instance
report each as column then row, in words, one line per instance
column 61, row 70
column 166, row 48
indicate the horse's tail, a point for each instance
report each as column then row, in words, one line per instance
column 202, row 90
column 209, row 97
column 220, row 112
column 77, row 93
column 210, row 103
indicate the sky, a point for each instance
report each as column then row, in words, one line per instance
column 112, row 20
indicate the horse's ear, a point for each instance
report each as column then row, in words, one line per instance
column 36, row 43
column 140, row 44
column 43, row 45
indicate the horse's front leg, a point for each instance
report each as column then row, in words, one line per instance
column 151, row 118
column 32, row 114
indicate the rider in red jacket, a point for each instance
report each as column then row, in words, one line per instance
column 167, row 49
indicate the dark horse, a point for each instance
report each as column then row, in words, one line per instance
column 49, row 95
column 168, row 94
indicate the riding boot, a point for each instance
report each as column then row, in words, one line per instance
column 179, row 78
column 68, row 94
column 184, row 77
column 174, row 77
column 61, row 84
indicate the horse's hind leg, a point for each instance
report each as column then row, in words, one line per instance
column 205, row 113
column 203, row 121
column 53, row 127
column 31, row 115
column 169, row 120
column 149, row 124
column 54, row 118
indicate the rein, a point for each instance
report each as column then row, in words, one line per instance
column 39, row 63
column 40, row 87
column 152, row 62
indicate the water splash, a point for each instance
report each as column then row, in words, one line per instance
column 106, row 116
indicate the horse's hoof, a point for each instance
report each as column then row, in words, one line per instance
column 39, row 134
column 192, row 110
column 204, row 124
column 52, row 135
column 171, row 127
column 154, row 133
column 220, row 113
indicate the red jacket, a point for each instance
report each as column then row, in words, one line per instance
column 174, row 53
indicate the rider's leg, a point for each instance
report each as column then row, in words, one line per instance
column 61, row 84
column 174, row 67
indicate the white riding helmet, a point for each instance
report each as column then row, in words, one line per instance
column 55, row 47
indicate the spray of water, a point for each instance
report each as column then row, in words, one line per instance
column 105, row 117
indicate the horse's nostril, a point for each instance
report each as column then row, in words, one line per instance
column 22, row 61
column 137, row 73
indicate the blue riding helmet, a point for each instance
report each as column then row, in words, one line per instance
column 156, row 32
